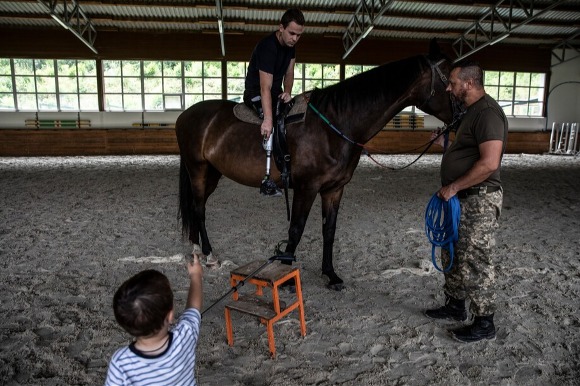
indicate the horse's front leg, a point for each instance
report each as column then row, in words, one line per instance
column 301, row 205
column 330, row 205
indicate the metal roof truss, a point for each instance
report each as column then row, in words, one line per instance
column 362, row 22
column 496, row 25
column 71, row 17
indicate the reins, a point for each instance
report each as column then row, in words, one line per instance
column 456, row 117
column 445, row 131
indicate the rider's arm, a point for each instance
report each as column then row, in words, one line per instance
column 288, row 82
column 266, row 80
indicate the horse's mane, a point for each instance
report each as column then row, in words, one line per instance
column 370, row 86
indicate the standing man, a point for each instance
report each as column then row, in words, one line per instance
column 470, row 169
column 270, row 68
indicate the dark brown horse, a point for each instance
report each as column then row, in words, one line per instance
column 213, row 142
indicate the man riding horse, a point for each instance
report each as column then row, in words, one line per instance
column 271, row 66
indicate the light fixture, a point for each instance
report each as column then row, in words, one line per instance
column 367, row 32
column 499, row 39
column 361, row 37
column 59, row 21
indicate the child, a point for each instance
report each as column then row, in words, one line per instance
column 143, row 306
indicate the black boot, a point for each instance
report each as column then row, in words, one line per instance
column 454, row 309
column 482, row 328
column 269, row 188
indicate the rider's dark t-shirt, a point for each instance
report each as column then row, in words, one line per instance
column 483, row 121
column 271, row 57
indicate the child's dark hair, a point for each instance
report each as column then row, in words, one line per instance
column 292, row 15
column 142, row 303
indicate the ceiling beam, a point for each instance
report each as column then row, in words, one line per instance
column 71, row 17
column 362, row 22
column 499, row 26
column 570, row 44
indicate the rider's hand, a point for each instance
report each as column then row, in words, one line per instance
column 266, row 128
column 285, row 96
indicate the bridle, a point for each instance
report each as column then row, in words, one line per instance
column 457, row 112
column 435, row 70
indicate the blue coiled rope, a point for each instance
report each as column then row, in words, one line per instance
column 442, row 226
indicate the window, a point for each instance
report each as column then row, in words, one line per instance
column 518, row 93
column 77, row 85
column 122, row 85
column 70, row 85
column 163, row 85
column 159, row 85
column 308, row 76
column 48, row 85
column 351, row 70
column 203, row 81
column 236, row 73
column 7, row 101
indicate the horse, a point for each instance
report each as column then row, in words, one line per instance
column 213, row 142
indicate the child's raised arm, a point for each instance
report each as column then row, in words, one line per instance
column 195, row 295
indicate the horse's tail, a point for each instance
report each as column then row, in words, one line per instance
column 185, row 200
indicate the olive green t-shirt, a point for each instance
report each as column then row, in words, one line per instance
column 483, row 121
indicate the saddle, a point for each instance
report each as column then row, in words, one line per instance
column 286, row 113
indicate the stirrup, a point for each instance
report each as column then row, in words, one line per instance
column 269, row 188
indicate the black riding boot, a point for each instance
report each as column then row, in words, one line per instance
column 454, row 309
column 482, row 328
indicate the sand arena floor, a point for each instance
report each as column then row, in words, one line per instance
column 72, row 229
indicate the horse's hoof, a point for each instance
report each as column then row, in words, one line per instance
column 212, row 262
column 335, row 283
column 335, row 286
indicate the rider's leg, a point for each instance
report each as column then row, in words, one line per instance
column 268, row 187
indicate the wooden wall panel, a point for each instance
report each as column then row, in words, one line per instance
column 61, row 44
column 77, row 142
column 391, row 142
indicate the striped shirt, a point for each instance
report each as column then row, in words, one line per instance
column 175, row 366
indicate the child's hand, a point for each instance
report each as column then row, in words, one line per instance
column 194, row 265
column 195, row 272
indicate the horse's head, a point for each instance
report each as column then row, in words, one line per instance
column 431, row 95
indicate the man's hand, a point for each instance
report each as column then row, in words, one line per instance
column 285, row 96
column 446, row 192
column 440, row 140
column 266, row 128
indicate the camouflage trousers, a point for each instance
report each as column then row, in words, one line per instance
column 472, row 275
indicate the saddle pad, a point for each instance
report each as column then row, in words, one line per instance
column 248, row 115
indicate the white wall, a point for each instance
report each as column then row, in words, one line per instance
column 564, row 97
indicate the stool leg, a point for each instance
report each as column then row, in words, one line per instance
column 233, row 283
column 301, row 304
column 229, row 330
column 271, row 343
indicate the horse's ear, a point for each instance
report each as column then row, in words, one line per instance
column 434, row 50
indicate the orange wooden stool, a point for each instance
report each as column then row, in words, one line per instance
column 272, row 276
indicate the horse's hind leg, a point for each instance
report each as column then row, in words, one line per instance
column 212, row 179
column 330, row 205
column 204, row 179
